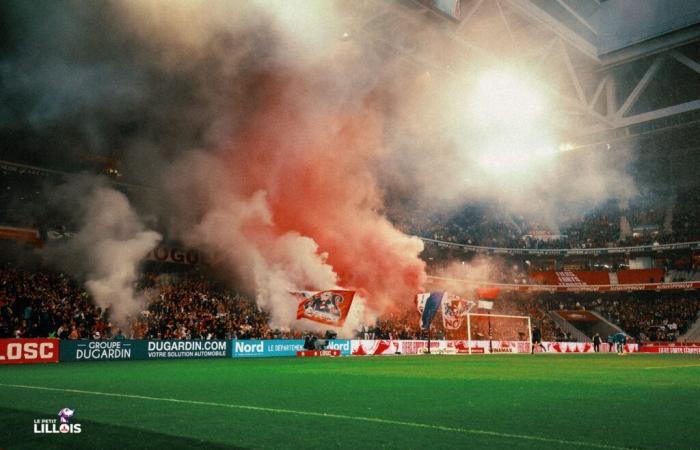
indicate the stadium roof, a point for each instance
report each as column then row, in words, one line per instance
column 611, row 64
column 617, row 68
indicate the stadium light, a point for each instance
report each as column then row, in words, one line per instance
column 512, row 153
column 508, row 114
column 566, row 146
column 505, row 98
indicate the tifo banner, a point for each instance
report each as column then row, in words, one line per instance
column 28, row 351
column 115, row 350
column 693, row 349
column 328, row 307
column 428, row 305
column 280, row 347
column 454, row 310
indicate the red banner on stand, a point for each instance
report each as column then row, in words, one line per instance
column 329, row 307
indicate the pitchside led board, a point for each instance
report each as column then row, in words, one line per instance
column 132, row 349
column 281, row 347
column 28, row 351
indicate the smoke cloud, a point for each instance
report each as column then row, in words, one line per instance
column 293, row 203
column 108, row 247
column 276, row 136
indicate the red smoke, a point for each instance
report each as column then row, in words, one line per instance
column 315, row 160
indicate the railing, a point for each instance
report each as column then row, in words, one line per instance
column 563, row 251
column 685, row 285
column 693, row 333
column 566, row 326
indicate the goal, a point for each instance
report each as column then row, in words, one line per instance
column 498, row 333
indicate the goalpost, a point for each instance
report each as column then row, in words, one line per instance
column 498, row 333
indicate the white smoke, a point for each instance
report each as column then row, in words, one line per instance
column 108, row 247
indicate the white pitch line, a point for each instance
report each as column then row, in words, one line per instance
column 672, row 367
column 524, row 437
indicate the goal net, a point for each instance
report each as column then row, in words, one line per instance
column 497, row 333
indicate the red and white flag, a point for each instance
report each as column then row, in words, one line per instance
column 454, row 310
column 329, row 307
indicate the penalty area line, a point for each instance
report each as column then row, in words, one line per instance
column 524, row 437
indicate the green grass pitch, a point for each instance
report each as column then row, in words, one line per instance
column 421, row 402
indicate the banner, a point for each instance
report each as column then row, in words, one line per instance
column 28, row 351
column 280, row 347
column 485, row 304
column 428, row 305
column 328, row 307
column 187, row 349
column 174, row 254
column 20, row 234
column 102, row 350
column 685, row 285
column 454, row 310
column 126, row 349
column 487, row 292
column 486, row 346
column 563, row 251
column 581, row 347
column 375, row 347
column 693, row 349
column 382, row 347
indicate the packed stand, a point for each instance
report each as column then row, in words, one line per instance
column 644, row 316
column 652, row 217
column 43, row 303
column 199, row 309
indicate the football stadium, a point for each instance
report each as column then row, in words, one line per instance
column 393, row 224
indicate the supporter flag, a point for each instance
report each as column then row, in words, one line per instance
column 485, row 304
column 329, row 307
column 428, row 305
column 454, row 310
column 488, row 292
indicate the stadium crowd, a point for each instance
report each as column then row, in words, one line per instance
column 644, row 316
column 649, row 219
column 199, row 309
column 40, row 303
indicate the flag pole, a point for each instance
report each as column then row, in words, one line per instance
column 490, row 337
column 428, row 338
column 469, row 332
